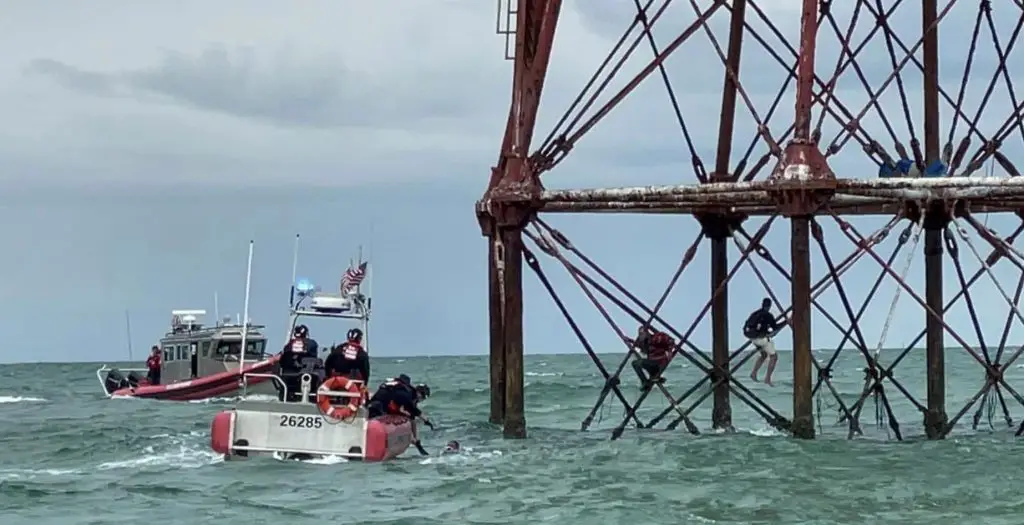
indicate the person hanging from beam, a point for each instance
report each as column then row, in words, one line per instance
column 654, row 350
column 759, row 329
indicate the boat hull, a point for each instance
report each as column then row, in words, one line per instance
column 299, row 429
column 223, row 384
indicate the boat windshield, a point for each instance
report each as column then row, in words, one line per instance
column 253, row 349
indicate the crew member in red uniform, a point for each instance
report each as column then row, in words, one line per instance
column 656, row 348
column 398, row 397
column 349, row 359
column 153, row 364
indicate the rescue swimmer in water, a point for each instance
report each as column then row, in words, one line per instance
column 453, row 447
column 349, row 359
column 397, row 396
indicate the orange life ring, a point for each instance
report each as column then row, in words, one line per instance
column 323, row 401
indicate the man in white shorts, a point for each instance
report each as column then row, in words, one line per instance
column 759, row 329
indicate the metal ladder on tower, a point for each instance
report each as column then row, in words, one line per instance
column 506, row 25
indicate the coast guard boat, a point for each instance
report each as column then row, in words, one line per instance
column 312, row 417
column 198, row 362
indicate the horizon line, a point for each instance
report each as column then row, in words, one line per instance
column 439, row 356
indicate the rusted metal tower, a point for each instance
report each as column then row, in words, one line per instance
column 930, row 187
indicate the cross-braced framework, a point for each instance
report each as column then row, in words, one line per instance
column 870, row 103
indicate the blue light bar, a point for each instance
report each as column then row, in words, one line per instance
column 304, row 286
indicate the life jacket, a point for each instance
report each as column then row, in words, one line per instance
column 390, row 385
column 661, row 347
column 350, row 350
column 297, row 346
column 153, row 363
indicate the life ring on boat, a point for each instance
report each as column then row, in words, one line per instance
column 340, row 383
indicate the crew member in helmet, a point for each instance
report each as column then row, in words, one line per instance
column 349, row 359
column 300, row 346
column 398, row 397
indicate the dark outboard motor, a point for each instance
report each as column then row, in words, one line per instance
column 115, row 381
column 134, row 379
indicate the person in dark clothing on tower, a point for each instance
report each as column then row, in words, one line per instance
column 759, row 329
column 349, row 359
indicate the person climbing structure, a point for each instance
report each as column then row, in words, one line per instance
column 759, row 329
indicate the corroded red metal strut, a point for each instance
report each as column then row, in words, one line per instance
column 801, row 187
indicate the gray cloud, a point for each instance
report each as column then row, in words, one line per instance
column 380, row 105
column 289, row 92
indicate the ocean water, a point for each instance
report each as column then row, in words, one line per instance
column 70, row 456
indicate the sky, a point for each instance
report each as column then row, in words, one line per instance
column 145, row 145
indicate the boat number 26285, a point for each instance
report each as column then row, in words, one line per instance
column 301, row 421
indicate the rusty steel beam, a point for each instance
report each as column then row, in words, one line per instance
column 803, row 183
column 937, row 218
column 507, row 206
column 719, row 227
column 947, row 188
column 497, row 334
column 838, row 205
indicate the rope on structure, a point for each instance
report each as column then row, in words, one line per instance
column 899, row 289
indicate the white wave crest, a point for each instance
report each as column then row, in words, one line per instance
column 21, row 399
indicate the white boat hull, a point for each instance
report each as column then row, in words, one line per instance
column 255, row 428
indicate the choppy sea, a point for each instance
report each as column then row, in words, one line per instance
column 70, row 456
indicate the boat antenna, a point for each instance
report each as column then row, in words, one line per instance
column 370, row 269
column 295, row 269
column 128, row 329
column 245, row 316
column 216, row 308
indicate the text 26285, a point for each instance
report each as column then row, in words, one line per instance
column 301, row 421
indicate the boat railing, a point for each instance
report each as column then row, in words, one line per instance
column 273, row 377
column 103, row 380
column 305, row 382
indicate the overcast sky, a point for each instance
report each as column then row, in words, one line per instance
column 145, row 143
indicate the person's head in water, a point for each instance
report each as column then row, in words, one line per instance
column 766, row 304
column 422, row 392
column 452, row 447
column 300, row 332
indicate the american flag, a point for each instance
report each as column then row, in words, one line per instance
column 353, row 277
